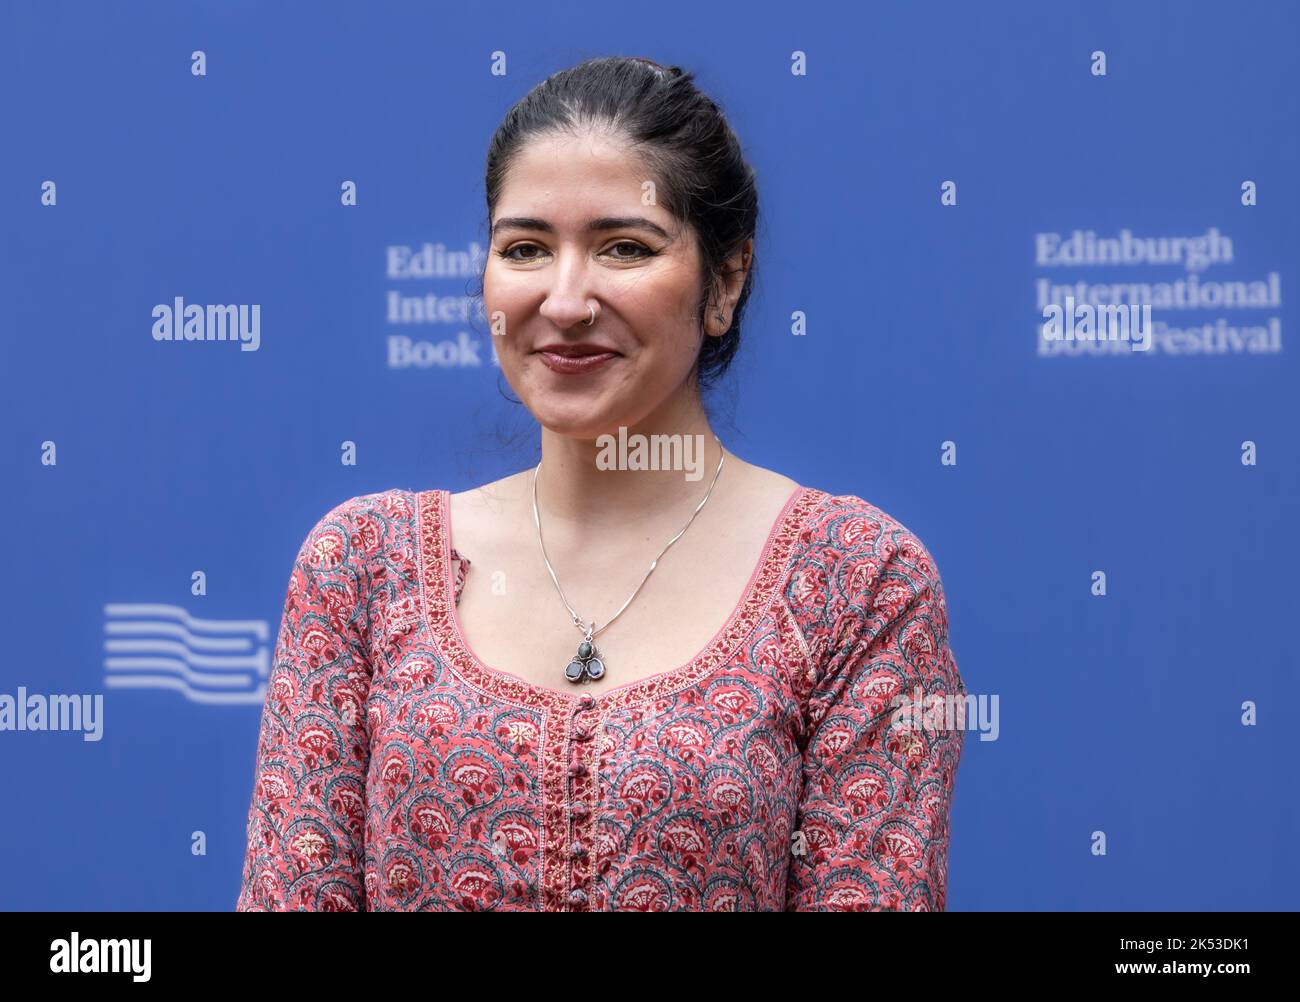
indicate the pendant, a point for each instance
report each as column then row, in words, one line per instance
column 586, row 664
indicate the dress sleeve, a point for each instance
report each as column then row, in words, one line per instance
column 881, row 751
column 306, row 820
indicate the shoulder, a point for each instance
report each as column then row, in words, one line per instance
column 490, row 497
column 855, row 562
column 845, row 527
column 357, row 529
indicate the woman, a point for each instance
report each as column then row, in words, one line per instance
column 466, row 713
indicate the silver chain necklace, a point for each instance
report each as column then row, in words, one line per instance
column 587, row 663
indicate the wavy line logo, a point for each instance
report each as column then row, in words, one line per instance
column 212, row 661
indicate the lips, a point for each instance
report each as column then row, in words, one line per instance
column 576, row 350
column 574, row 365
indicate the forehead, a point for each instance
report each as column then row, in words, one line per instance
column 569, row 178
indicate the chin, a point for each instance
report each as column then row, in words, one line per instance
column 587, row 426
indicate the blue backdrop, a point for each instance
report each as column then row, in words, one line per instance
column 1155, row 713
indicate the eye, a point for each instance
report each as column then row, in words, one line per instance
column 644, row 251
column 508, row 252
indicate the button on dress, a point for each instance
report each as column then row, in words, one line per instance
column 396, row 772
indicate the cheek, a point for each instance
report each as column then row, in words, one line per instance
column 665, row 309
column 492, row 288
column 503, row 303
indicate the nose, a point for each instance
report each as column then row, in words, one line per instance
column 566, row 302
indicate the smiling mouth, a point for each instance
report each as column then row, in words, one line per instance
column 575, row 350
column 575, row 364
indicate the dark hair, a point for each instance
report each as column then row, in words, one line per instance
column 701, row 175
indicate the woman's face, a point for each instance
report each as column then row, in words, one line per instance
column 571, row 229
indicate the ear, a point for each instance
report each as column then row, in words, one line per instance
column 733, row 282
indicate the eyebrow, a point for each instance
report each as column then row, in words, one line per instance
column 595, row 226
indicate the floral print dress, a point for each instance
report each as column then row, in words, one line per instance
column 397, row 772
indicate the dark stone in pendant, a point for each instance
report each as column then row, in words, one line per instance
column 586, row 665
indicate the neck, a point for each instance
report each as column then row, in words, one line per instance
column 598, row 486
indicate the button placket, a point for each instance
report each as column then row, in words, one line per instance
column 582, row 789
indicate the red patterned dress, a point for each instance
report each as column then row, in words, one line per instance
column 395, row 771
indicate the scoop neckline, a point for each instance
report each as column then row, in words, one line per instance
column 437, row 586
